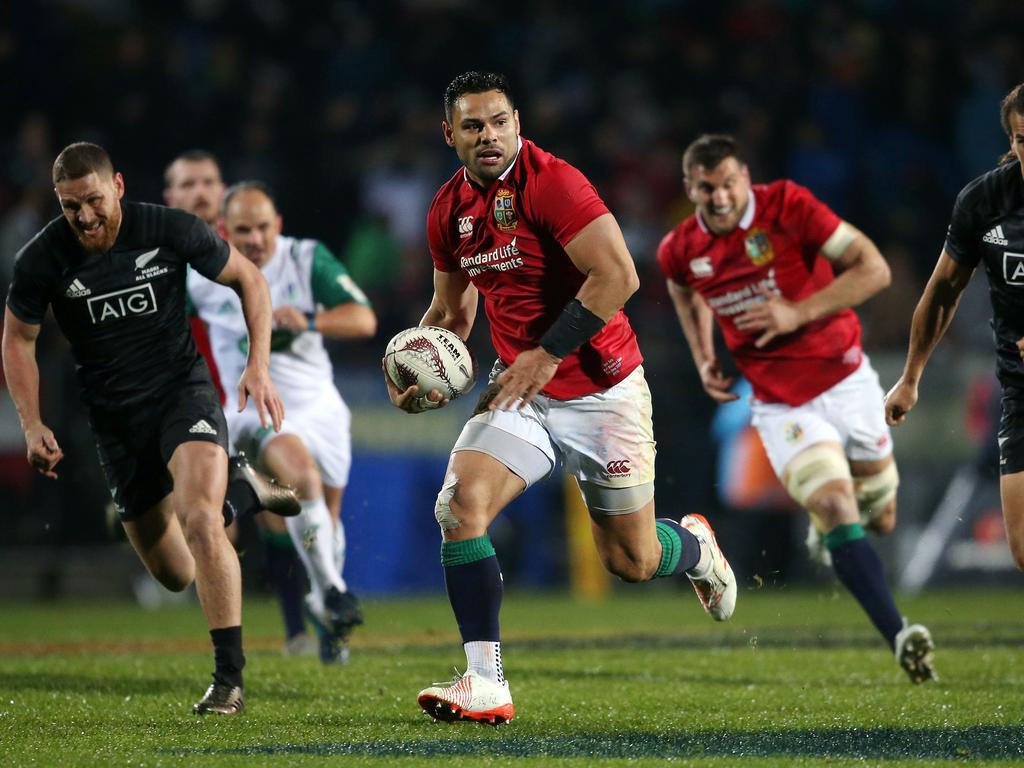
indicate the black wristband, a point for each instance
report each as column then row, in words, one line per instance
column 573, row 328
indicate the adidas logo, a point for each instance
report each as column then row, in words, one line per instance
column 995, row 236
column 201, row 427
column 76, row 290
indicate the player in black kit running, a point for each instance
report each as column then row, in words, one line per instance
column 113, row 273
column 986, row 227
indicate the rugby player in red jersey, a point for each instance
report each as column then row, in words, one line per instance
column 779, row 272
column 529, row 232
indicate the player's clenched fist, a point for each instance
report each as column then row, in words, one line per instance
column 901, row 398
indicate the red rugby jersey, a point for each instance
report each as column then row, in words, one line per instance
column 509, row 239
column 775, row 247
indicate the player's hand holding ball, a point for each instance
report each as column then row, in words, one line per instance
column 427, row 367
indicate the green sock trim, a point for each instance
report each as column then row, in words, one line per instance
column 274, row 539
column 468, row 551
column 671, row 549
column 842, row 534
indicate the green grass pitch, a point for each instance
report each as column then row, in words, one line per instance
column 796, row 678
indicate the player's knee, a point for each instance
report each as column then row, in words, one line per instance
column 630, row 566
column 833, row 505
column 876, row 498
column 443, row 512
column 1016, row 541
column 461, row 506
column 819, row 480
column 174, row 578
column 203, row 528
column 884, row 522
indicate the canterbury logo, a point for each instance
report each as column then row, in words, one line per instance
column 465, row 226
column 618, row 467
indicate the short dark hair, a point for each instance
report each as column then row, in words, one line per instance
column 78, row 160
column 247, row 186
column 474, row 82
column 709, row 150
column 190, row 156
column 1013, row 103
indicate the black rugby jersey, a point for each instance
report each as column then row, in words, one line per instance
column 987, row 226
column 123, row 311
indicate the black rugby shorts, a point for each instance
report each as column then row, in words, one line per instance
column 136, row 444
column 1011, row 431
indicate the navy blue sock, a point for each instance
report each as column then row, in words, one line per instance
column 680, row 550
column 473, row 579
column 860, row 569
column 227, row 655
column 284, row 571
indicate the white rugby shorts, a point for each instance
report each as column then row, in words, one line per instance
column 606, row 438
column 323, row 423
column 851, row 413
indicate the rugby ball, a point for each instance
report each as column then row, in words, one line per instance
column 431, row 358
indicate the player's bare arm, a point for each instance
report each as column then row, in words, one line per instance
column 245, row 279
column 453, row 307
column 697, row 322
column 22, row 374
column 932, row 317
column 598, row 251
column 861, row 273
column 350, row 320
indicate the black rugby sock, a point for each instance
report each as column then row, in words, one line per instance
column 860, row 569
column 227, row 655
column 473, row 579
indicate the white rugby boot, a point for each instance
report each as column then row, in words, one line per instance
column 915, row 652
column 468, row 697
column 716, row 584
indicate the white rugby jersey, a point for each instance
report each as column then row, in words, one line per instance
column 302, row 274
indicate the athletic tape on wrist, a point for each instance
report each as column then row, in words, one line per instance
column 573, row 328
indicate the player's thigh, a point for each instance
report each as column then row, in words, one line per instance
column 157, row 538
column 606, row 441
column 194, row 443
column 326, row 430
column 497, row 456
column 787, row 431
column 477, row 487
column 128, row 446
column 200, row 472
column 1011, row 491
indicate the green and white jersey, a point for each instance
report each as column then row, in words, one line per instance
column 302, row 274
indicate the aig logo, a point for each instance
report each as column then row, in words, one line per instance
column 465, row 226
column 139, row 300
column 1013, row 268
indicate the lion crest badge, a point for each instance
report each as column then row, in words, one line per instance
column 759, row 247
column 505, row 210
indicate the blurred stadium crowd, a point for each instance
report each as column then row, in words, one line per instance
column 884, row 109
